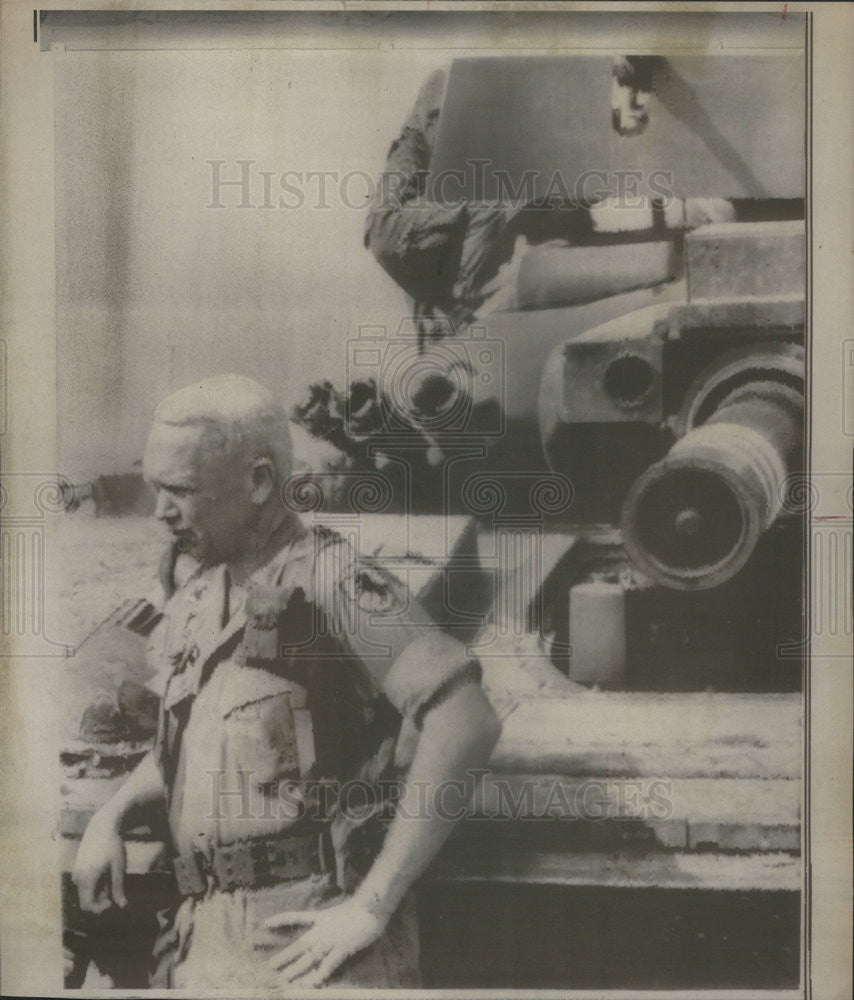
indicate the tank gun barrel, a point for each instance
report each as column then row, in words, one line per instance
column 692, row 520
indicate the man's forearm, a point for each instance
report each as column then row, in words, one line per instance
column 457, row 739
column 145, row 785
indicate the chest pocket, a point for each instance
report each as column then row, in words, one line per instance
column 267, row 727
column 174, row 713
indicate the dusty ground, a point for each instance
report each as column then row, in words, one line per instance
column 103, row 562
column 100, row 564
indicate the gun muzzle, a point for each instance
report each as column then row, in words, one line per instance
column 692, row 520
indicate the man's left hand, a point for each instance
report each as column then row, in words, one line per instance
column 333, row 935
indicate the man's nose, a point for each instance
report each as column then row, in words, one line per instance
column 165, row 509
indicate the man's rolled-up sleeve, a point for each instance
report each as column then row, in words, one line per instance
column 426, row 672
column 407, row 657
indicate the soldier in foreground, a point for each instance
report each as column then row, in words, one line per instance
column 302, row 680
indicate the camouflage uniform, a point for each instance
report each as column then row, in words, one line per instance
column 440, row 254
column 279, row 692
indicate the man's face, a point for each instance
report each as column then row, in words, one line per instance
column 203, row 493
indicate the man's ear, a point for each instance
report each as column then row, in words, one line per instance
column 263, row 480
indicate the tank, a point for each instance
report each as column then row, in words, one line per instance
column 613, row 407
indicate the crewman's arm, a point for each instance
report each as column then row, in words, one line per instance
column 415, row 240
column 432, row 242
column 99, row 868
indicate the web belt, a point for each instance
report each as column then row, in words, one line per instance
column 249, row 864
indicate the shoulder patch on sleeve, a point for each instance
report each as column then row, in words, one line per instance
column 372, row 588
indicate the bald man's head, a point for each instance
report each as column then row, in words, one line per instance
column 217, row 455
column 237, row 414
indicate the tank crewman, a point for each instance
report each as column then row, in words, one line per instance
column 299, row 674
column 436, row 252
column 460, row 260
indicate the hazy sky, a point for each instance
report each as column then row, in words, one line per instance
column 156, row 286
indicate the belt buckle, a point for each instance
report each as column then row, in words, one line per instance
column 288, row 858
column 189, row 874
column 251, row 863
column 234, row 865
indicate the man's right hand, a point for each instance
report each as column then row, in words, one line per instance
column 99, row 871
